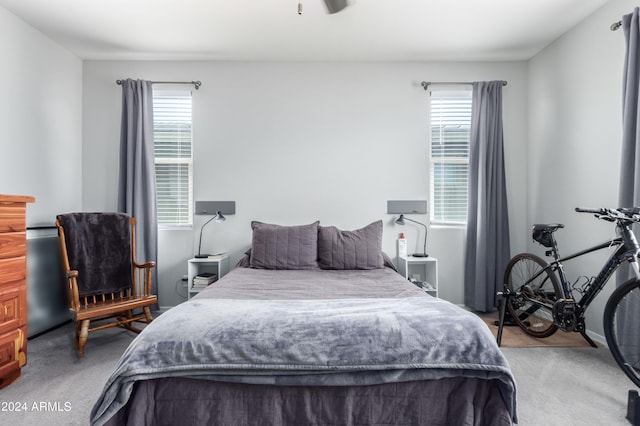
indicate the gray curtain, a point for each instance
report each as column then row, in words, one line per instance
column 629, row 195
column 628, row 315
column 137, row 183
column 487, row 250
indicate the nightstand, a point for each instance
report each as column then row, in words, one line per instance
column 218, row 266
column 421, row 269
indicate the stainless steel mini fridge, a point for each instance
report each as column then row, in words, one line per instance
column 47, row 305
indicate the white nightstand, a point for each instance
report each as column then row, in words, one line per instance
column 195, row 266
column 422, row 269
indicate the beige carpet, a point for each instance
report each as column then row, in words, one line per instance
column 514, row 337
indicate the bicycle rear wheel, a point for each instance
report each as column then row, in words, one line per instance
column 535, row 288
column 622, row 328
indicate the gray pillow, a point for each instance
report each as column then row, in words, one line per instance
column 284, row 247
column 359, row 249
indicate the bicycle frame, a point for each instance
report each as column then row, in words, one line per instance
column 627, row 251
column 544, row 302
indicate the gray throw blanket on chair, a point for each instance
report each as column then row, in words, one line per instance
column 99, row 248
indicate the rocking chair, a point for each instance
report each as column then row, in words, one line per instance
column 104, row 280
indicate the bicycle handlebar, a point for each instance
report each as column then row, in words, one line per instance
column 621, row 214
column 594, row 211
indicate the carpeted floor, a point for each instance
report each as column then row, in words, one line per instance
column 556, row 385
column 56, row 387
column 569, row 386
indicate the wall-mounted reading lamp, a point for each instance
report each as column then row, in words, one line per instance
column 208, row 207
column 410, row 207
column 400, row 221
column 218, row 218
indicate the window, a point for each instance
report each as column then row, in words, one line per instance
column 450, row 122
column 174, row 163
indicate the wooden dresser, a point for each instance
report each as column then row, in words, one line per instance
column 13, row 286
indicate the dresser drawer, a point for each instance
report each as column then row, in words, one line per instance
column 13, row 244
column 12, row 356
column 9, row 373
column 12, row 309
column 13, row 217
column 9, row 344
column 14, row 269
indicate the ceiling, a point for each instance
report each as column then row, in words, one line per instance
column 272, row 30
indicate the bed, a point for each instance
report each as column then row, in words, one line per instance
column 296, row 335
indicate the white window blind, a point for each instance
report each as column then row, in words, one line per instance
column 173, row 158
column 450, row 121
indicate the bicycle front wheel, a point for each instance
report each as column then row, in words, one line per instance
column 535, row 288
column 622, row 328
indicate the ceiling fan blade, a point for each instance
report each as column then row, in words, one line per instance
column 335, row 6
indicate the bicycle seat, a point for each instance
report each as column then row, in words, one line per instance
column 549, row 227
column 543, row 233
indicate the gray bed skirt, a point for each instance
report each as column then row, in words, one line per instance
column 185, row 402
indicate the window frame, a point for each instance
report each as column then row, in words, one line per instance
column 178, row 160
column 457, row 90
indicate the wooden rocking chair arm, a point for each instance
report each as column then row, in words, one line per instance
column 74, row 298
column 146, row 265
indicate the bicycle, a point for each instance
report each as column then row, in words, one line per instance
column 540, row 300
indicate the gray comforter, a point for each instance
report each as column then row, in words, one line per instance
column 310, row 328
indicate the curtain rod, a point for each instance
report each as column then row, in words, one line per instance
column 426, row 84
column 197, row 83
column 615, row 25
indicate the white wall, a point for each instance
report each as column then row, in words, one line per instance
column 41, row 121
column 295, row 142
column 575, row 93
